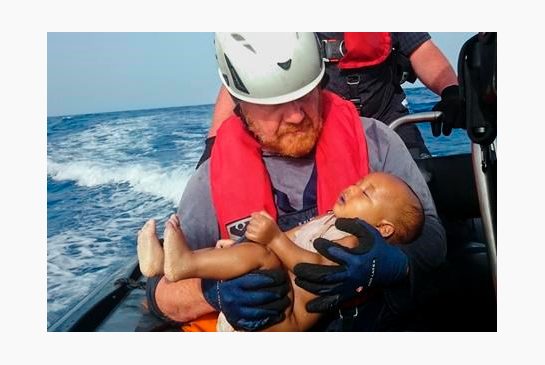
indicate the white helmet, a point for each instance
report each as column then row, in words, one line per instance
column 269, row 68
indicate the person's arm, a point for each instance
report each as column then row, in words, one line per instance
column 181, row 301
column 428, row 251
column 432, row 67
column 435, row 71
column 263, row 229
column 250, row 302
column 373, row 263
column 389, row 154
column 186, row 300
column 222, row 110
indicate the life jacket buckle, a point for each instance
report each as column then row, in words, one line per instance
column 353, row 80
column 332, row 50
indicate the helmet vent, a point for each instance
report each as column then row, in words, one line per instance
column 237, row 37
column 226, row 79
column 285, row 65
column 250, row 48
column 236, row 78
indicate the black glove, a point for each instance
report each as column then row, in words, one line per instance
column 373, row 263
column 250, row 302
column 453, row 112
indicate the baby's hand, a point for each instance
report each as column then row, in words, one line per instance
column 262, row 228
column 225, row 243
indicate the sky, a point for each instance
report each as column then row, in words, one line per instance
column 103, row 72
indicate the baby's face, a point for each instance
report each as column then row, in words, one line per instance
column 369, row 199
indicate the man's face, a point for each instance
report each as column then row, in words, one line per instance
column 289, row 129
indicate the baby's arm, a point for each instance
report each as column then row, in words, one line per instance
column 262, row 229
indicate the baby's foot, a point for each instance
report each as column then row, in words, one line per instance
column 176, row 250
column 150, row 252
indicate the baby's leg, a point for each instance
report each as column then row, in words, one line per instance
column 150, row 252
column 220, row 264
column 177, row 253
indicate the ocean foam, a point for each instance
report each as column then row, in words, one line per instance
column 161, row 182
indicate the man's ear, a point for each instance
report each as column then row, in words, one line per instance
column 386, row 228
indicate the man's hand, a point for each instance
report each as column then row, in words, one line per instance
column 250, row 302
column 453, row 112
column 372, row 264
column 262, row 228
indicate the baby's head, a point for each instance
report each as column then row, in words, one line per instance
column 385, row 202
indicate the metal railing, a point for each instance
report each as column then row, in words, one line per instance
column 415, row 118
column 481, row 181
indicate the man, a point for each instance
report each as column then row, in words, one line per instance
column 290, row 150
column 368, row 69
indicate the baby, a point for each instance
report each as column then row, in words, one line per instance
column 382, row 200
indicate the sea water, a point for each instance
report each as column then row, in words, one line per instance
column 108, row 173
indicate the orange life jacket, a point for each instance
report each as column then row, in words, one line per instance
column 205, row 323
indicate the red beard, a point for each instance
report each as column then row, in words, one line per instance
column 293, row 140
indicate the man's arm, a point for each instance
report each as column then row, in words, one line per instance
column 181, row 301
column 222, row 110
column 435, row 71
column 392, row 156
column 432, row 67
column 428, row 251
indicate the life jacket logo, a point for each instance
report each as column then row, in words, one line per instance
column 372, row 276
column 237, row 229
